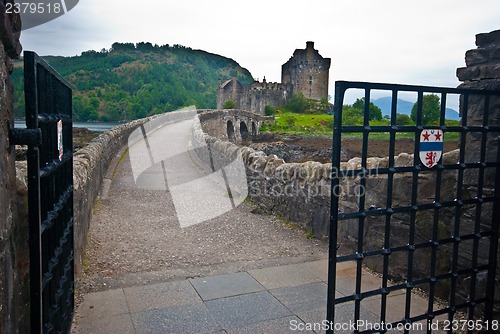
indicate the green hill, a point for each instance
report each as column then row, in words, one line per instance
column 134, row 81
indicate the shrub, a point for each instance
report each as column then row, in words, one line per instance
column 402, row 119
column 269, row 110
column 229, row 104
column 298, row 103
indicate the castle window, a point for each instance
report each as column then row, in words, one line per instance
column 310, row 79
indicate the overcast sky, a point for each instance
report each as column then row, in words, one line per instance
column 398, row 41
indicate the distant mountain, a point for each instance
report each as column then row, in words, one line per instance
column 131, row 81
column 404, row 107
column 451, row 114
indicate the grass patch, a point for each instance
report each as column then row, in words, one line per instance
column 122, row 158
column 319, row 125
column 287, row 122
column 309, row 234
column 287, row 223
column 97, row 204
column 86, row 264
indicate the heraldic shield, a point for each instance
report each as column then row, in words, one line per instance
column 431, row 147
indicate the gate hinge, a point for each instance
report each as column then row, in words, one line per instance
column 31, row 137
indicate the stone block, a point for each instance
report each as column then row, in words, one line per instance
column 272, row 163
column 495, row 54
column 450, row 158
column 353, row 164
column 489, row 71
column 477, row 56
column 403, row 160
column 259, row 164
column 375, row 163
column 468, row 73
column 486, row 39
column 327, row 171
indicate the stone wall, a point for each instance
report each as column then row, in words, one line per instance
column 14, row 257
column 482, row 71
column 254, row 97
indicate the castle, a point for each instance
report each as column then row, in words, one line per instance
column 305, row 72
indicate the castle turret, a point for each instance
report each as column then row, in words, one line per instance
column 308, row 72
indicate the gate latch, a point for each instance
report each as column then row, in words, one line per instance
column 30, row 137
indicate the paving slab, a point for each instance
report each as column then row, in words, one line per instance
column 160, row 295
column 316, row 319
column 318, row 268
column 282, row 325
column 247, row 309
column 112, row 324
column 302, row 298
column 100, row 305
column 228, row 285
column 283, row 276
column 188, row 318
column 313, row 320
column 395, row 308
column 346, row 284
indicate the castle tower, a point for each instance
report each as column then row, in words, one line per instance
column 307, row 71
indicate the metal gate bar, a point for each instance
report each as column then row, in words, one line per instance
column 50, row 197
column 486, row 236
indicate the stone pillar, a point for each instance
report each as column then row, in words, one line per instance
column 482, row 72
column 14, row 258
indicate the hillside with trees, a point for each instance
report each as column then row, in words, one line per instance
column 131, row 81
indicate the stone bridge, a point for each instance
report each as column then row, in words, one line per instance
column 235, row 125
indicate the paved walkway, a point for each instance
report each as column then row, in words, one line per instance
column 280, row 299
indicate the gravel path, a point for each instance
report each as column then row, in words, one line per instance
column 136, row 238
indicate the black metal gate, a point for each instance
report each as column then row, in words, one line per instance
column 453, row 232
column 50, row 196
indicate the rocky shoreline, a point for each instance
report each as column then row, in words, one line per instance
column 295, row 148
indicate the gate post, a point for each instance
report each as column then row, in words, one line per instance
column 482, row 72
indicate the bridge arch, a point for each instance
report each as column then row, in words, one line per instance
column 230, row 131
column 244, row 131
column 227, row 124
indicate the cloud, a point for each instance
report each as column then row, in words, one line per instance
column 388, row 40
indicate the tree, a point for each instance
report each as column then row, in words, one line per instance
column 351, row 116
column 375, row 112
column 431, row 110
